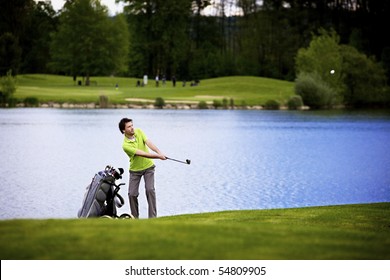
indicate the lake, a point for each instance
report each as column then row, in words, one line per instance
column 239, row 159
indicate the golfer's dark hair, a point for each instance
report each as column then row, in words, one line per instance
column 122, row 124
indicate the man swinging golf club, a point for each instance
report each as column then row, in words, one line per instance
column 136, row 145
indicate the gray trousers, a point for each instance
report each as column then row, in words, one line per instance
column 134, row 181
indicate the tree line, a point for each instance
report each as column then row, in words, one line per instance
column 176, row 38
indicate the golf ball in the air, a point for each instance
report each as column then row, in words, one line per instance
column 332, row 72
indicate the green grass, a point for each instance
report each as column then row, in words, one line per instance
column 333, row 232
column 251, row 90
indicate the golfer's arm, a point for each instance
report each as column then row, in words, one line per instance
column 153, row 147
column 147, row 155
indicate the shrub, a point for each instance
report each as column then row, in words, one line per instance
column 272, row 105
column 217, row 104
column 202, row 105
column 31, row 101
column 232, row 103
column 295, row 102
column 103, row 101
column 7, row 87
column 159, row 103
column 12, row 102
column 314, row 91
column 225, row 103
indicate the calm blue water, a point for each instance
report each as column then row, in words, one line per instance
column 239, row 159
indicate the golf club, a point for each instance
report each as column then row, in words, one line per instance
column 185, row 162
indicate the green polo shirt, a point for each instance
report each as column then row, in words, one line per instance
column 137, row 163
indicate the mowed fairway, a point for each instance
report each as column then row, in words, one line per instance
column 243, row 90
column 332, row 232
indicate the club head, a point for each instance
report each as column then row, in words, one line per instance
column 188, row 161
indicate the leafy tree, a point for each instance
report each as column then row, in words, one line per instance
column 159, row 36
column 35, row 43
column 204, row 57
column 119, row 42
column 267, row 40
column 321, row 63
column 365, row 79
column 321, row 57
column 328, row 70
column 88, row 42
column 385, row 59
column 10, row 53
column 25, row 26
column 14, row 19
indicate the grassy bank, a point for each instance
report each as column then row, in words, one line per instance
column 333, row 232
column 243, row 90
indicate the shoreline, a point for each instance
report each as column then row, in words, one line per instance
column 175, row 105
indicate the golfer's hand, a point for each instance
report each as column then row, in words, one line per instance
column 162, row 157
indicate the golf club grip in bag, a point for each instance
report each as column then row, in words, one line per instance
column 100, row 197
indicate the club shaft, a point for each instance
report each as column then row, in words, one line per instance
column 177, row 160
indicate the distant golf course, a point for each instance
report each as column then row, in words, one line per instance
column 328, row 233
column 250, row 91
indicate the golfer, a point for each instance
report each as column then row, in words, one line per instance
column 136, row 145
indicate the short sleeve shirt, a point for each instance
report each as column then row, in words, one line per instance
column 137, row 163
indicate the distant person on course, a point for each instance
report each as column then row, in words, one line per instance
column 136, row 145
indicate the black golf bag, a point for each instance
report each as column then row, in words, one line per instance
column 101, row 198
